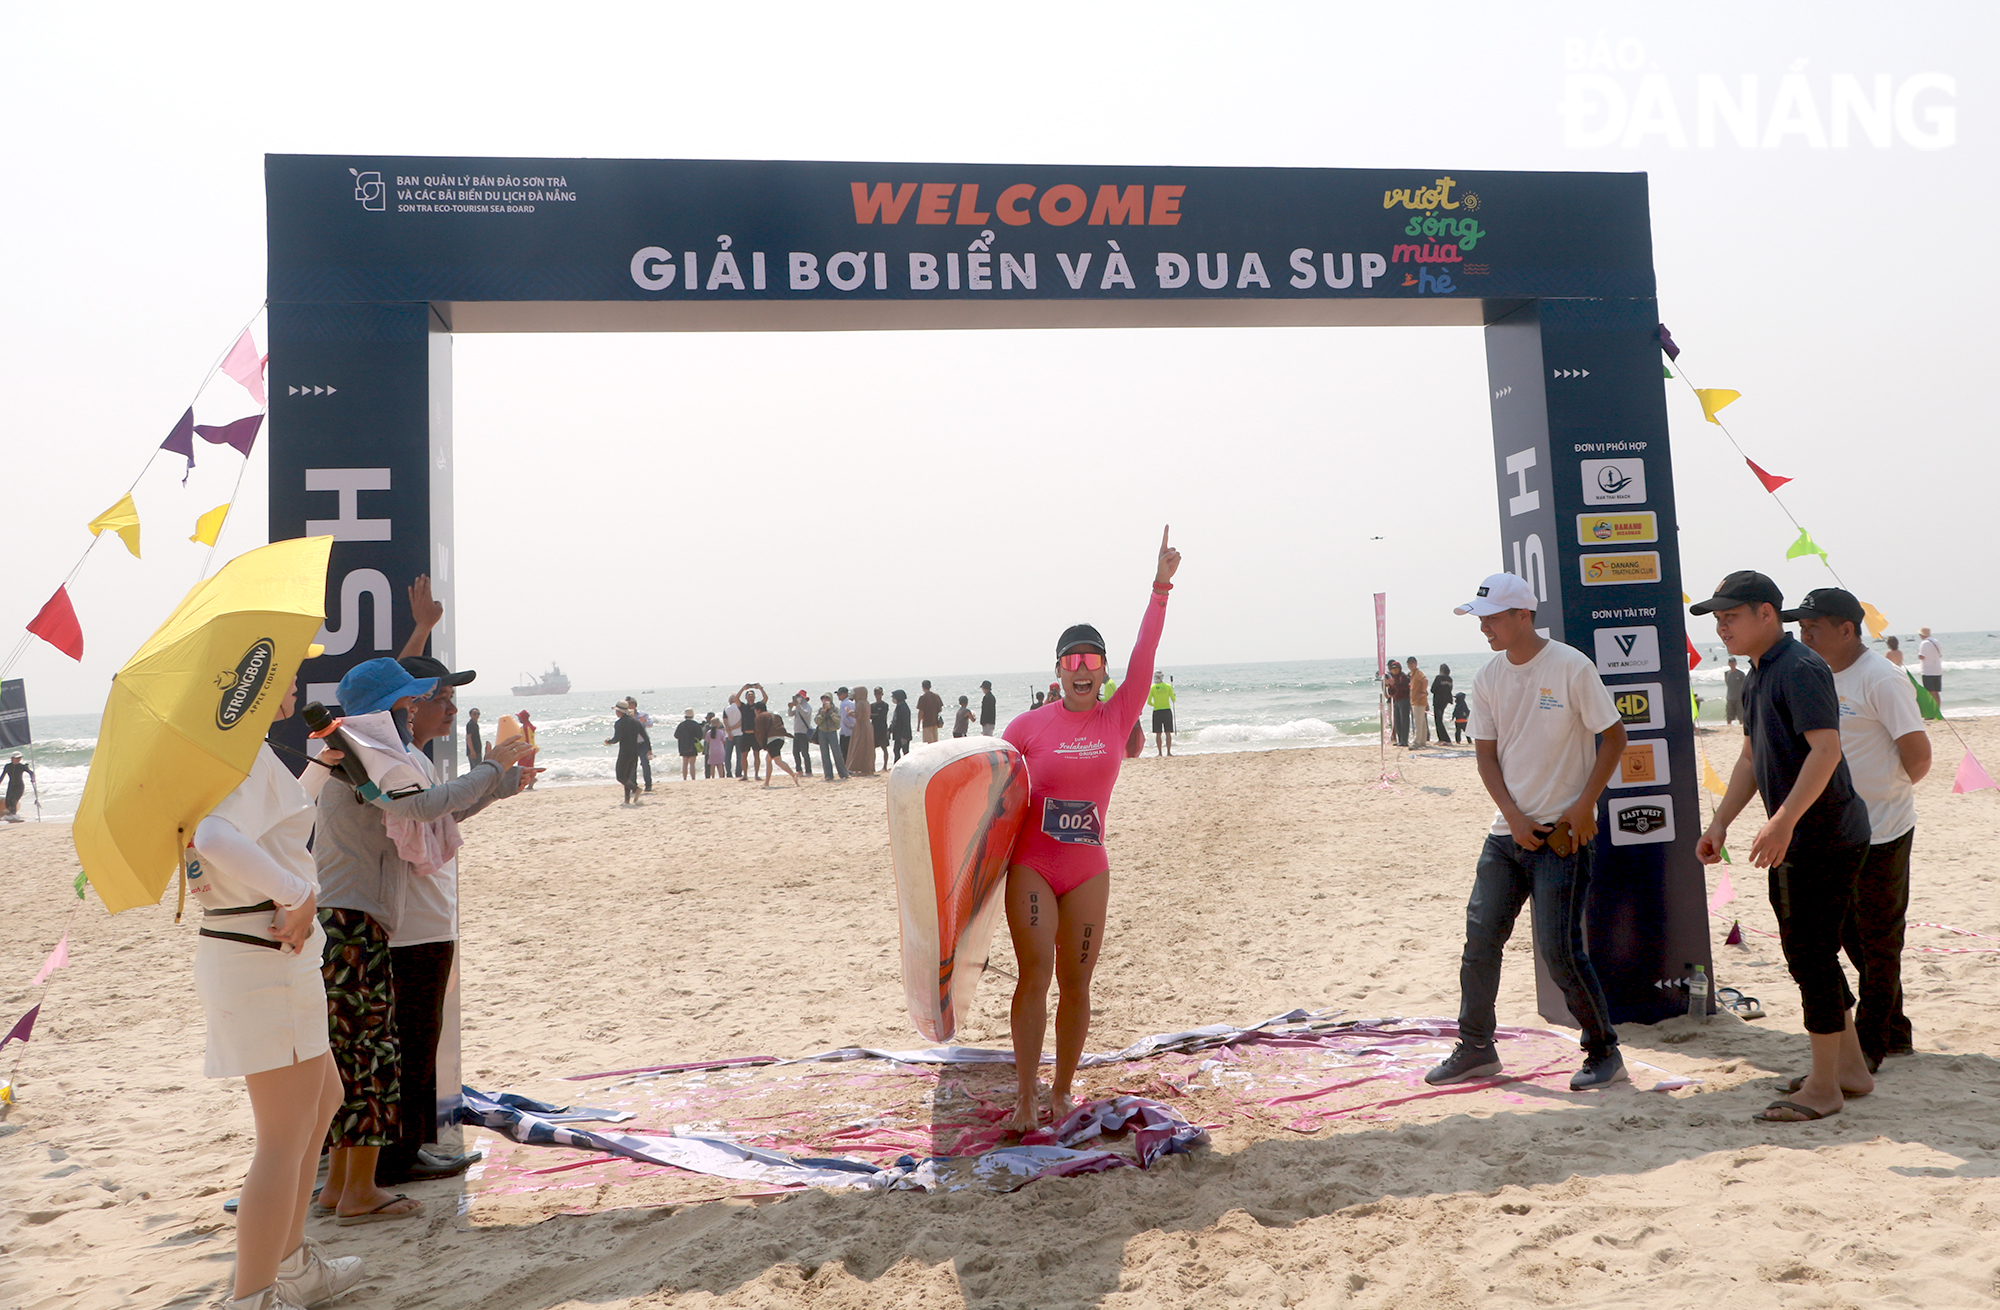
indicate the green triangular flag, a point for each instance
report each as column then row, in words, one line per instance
column 1666, row 372
column 1725, row 856
column 81, row 879
column 1804, row 546
column 1925, row 701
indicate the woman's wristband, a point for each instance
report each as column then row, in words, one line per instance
column 1163, row 586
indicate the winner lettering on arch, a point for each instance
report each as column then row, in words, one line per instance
column 375, row 263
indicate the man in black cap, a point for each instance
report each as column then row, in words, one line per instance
column 421, row 949
column 989, row 709
column 1887, row 751
column 1815, row 838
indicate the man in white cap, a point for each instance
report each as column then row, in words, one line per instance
column 1534, row 714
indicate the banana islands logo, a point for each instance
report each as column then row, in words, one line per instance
column 243, row 686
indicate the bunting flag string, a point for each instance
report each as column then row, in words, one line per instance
column 1971, row 775
column 57, row 623
column 1711, row 781
column 23, row 1026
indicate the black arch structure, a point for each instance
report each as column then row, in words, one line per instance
column 375, row 262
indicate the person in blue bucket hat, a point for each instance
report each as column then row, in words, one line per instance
column 377, row 685
column 369, row 848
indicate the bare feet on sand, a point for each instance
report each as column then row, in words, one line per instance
column 1027, row 1114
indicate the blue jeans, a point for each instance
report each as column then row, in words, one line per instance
column 1506, row 878
column 831, row 755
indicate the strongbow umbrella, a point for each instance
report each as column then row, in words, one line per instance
column 188, row 712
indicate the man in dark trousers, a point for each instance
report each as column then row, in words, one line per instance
column 475, row 749
column 1887, row 752
column 1547, row 737
column 1441, row 693
column 1732, row 692
column 1815, row 838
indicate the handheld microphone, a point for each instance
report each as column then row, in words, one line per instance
column 321, row 723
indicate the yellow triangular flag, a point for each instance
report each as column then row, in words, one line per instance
column 209, row 526
column 123, row 519
column 1714, row 398
column 1877, row 624
column 1710, row 779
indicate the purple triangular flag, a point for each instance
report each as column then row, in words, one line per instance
column 181, row 440
column 22, row 1027
column 242, row 434
column 1735, row 937
column 1667, row 344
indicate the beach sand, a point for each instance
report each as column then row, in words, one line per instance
column 720, row 919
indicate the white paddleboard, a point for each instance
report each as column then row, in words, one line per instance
column 955, row 808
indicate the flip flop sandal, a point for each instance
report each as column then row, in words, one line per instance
column 1798, row 1083
column 381, row 1213
column 1805, row 1112
column 1743, row 1007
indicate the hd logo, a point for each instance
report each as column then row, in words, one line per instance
column 1635, row 705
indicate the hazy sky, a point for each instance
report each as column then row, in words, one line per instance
column 948, row 501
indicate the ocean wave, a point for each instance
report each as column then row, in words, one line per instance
column 1972, row 664
column 1292, row 730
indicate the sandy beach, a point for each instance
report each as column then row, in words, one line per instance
column 720, row 919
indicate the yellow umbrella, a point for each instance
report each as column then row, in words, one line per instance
column 188, row 712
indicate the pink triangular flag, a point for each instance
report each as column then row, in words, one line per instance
column 243, row 364
column 1971, row 777
column 1735, row 937
column 57, row 959
column 1725, row 892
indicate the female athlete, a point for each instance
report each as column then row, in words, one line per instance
column 1059, row 881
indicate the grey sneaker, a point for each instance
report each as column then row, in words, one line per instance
column 1465, row 1063
column 1600, row 1070
column 309, row 1275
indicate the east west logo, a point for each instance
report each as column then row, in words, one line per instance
column 1642, row 819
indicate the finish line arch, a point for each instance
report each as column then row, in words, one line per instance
column 375, row 262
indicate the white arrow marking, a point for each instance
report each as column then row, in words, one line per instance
column 291, row 391
column 329, row 391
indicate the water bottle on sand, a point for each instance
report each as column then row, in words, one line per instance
column 1698, row 995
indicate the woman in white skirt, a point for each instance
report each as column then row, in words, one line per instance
column 257, row 972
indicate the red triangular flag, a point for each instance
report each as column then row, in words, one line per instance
column 1735, row 937
column 22, row 1027
column 1694, row 656
column 57, row 625
column 1771, row 481
column 1971, row 777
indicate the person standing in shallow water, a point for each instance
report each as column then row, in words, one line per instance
column 1059, row 881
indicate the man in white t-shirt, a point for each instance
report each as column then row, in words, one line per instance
column 1888, row 752
column 1535, row 712
column 1930, row 666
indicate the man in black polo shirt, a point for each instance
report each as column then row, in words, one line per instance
column 1815, row 838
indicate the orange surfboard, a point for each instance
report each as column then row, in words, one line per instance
column 955, row 808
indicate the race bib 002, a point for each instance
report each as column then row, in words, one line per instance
column 1073, row 821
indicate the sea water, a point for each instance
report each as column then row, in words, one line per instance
column 1220, row 708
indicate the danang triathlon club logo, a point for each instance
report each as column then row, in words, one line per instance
column 368, row 190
